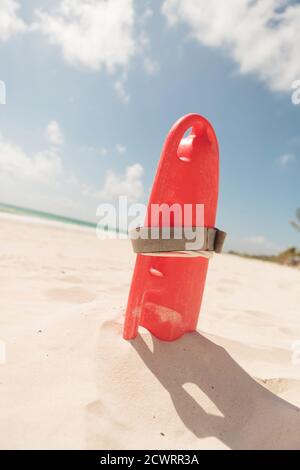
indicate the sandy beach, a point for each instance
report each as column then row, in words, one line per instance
column 70, row 381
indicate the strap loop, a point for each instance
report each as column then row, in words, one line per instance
column 177, row 241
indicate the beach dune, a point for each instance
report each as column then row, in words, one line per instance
column 69, row 380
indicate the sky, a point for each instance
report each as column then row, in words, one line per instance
column 93, row 87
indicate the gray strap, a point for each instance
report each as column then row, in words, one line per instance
column 161, row 241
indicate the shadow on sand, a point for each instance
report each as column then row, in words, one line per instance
column 250, row 415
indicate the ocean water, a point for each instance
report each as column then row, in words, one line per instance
column 32, row 215
column 35, row 216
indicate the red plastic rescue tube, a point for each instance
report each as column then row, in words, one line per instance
column 166, row 292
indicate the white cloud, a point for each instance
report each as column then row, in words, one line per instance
column 91, row 33
column 120, row 148
column 148, row 13
column 129, row 185
column 257, row 244
column 54, row 133
column 295, row 140
column 256, row 240
column 262, row 37
column 99, row 34
column 296, row 94
column 102, row 151
column 286, row 158
column 41, row 181
column 151, row 66
column 121, row 92
column 10, row 23
column 40, row 167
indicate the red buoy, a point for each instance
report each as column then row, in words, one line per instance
column 166, row 292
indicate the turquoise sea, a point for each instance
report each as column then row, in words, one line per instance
column 48, row 217
column 32, row 213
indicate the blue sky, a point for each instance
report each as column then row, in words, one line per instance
column 93, row 88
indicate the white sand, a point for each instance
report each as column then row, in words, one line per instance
column 71, row 381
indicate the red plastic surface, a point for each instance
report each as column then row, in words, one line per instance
column 166, row 292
